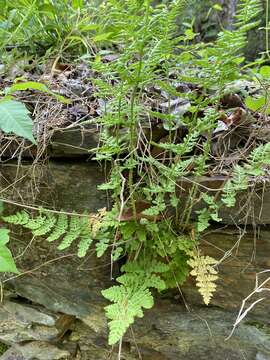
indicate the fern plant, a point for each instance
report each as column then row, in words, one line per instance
column 153, row 56
column 147, row 60
column 61, row 227
column 132, row 295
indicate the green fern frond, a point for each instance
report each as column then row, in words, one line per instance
column 46, row 226
column 60, row 228
column 133, row 294
column 72, row 234
column 35, row 223
column 60, row 225
column 247, row 10
column 128, row 304
column 87, row 233
column 85, row 241
column 20, row 218
column 101, row 247
column 156, row 282
column 23, row 218
column 115, row 293
column 145, row 265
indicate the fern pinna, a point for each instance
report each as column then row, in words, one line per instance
column 61, row 227
column 132, row 295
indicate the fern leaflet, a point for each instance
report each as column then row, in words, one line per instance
column 60, row 228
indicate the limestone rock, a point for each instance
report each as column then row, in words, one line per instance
column 70, row 186
column 244, row 254
column 60, row 143
column 20, row 323
column 252, row 206
column 169, row 332
column 36, row 350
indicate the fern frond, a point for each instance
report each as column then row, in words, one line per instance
column 46, row 225
column 133, row 294
column 72, row 234
column 128, row 304
column 60, row 228
column 247, row 10
column 23, row 218
column 205, row 273
column 35, row 223
column 84, row 243
column 20, row 218
column 58, row 225
column 101, row 247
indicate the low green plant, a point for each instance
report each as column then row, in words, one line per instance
column 159, row 57
column 161, row 249
column 61, row 227
column 7, row 263
column 15, row 119
column 15, row 116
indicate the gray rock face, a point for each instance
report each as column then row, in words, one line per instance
column 37, row 350
column 59, row 143
column 32, row 332
column 54, row 290
column 69, row 186
column 73, row 142
column 73, row 186
column 170, row 332
column 252, row 206
column 20, row 323
column 244, row 255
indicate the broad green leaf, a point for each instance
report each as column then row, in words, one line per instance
column 89, row 27
column 77, row 4
column 33, row 85
column 21, row 86
column 190, row 35
column 4, row 236
column 47, row 8
column 7, row 263
column 256, row 104
column 102, row 37
column 14, row 118
column 265, row 71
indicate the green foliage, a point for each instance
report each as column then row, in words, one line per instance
column 15, row 118
column 52, row 26
column 129, row 302
column 60, row 228
column 144, row 61
column 152, row 53
column 260, row 102
column 255, row 166
column 7, row 263
column 257, row 103
column 56, row 227
column 33, row 85
column 132, row 295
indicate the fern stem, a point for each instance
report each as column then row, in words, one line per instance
column 11, row 202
